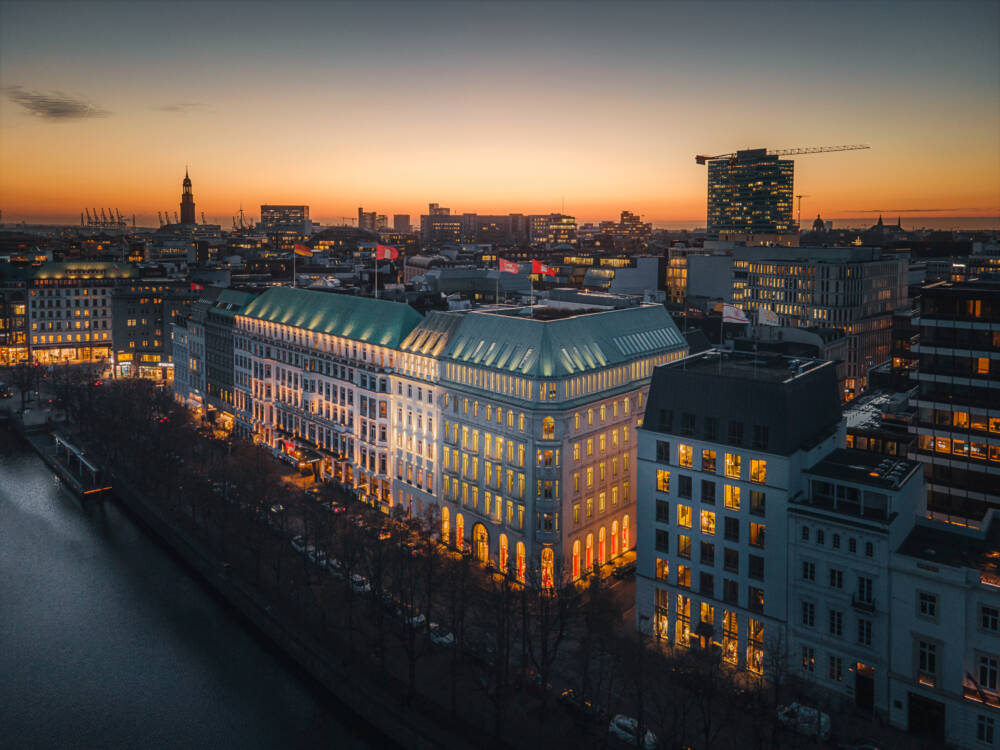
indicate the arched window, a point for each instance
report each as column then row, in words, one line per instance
column 480, row 543
column 625, row 538
column 576, row 559
column 548, row 428
column 503, row 553
column 548, row 568
column 602, row 546
column 459, row 532
column 614, row 539
column 445, row 526
column 590, row 553
column 520, row 561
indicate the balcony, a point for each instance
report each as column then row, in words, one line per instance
column 862, row 605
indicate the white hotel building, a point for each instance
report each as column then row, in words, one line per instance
column 517, row 434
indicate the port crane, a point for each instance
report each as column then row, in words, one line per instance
column 702, row 158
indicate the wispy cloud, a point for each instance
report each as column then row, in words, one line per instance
column 54, row 106
column 180, row 107
column 905, row 210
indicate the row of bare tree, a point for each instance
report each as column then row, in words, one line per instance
column 369, row 585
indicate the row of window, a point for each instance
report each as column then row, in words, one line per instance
column 732, row 466
column 706, row 523
column 732, row 494
column 835, row 541
column 710, row 429
column 682, row 630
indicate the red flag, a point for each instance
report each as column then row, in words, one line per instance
column 507, row 266
column 733, row 314
column 303, row 251
column 386, row 252
column 197, row 287
column 540, row 268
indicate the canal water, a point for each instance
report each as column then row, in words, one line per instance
column 106, row 642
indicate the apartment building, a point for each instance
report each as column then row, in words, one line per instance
column 722, row 452
column 945, row 651
column 854, row 510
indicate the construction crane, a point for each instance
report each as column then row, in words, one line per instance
column 702, row 159
column 798, row 219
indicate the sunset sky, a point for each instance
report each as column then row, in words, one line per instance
column 492, row 107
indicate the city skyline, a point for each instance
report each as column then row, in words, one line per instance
column 590, row 110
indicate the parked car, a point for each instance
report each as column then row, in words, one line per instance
column 318, row 557
column 299, row 544
column 626, row 729
column 360, row 584
column 439, row 636
column 411, row 617
column 578, row 705
column 334, row 507
column 335, row 567
column 807, row 721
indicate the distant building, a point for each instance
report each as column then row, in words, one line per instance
column 288, row 220
column 438, row 226
column 750, row 198
column 552, row 230
column 187, row 201
column 367, row 220
column 401, row 223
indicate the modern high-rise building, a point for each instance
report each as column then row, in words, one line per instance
column 958, row 399
column 367, row 220
column 552, row 229
column 438, row 226
column 401, row 223
column 187, row 201
column 285, row 219
column 750, row 197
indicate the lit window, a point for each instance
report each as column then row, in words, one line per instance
column 708, row 460
column 685, row 455
column 684, row 516
column 733, row 465
column 758, row 470
column 732, row 497
column 663, row 480
column 708, row 522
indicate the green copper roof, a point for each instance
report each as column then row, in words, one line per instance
column 358, row 318
column 546, row 348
